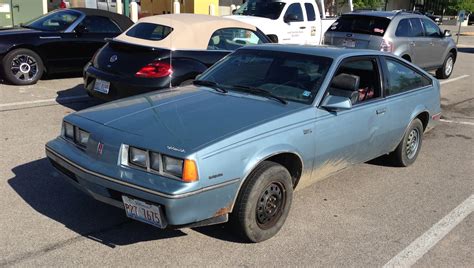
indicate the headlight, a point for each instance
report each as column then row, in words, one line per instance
column 138, row 157
column 68, row 130
column 173, row 166
column 82, row 137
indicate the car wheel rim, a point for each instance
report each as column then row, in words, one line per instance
column 270, row 205
column 413, row 142
column 449, row 66
column 24, row 67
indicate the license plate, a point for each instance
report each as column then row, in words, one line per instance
column 144, row 212
column 349, row 43
column 102, row 86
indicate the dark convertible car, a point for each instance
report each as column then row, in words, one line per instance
column 164, row 51
column 58, row 42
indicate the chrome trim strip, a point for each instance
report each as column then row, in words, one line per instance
column 169, row 196
column 50, row 37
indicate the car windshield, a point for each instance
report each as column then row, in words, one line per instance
column 288, row 76
column 360, row 24
column 261, row 8
column 54, row 21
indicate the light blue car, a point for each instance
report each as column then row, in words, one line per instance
column 234, row 145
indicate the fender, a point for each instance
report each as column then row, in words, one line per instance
column 188, row 69
column 417, row 111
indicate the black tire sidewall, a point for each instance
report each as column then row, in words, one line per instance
column 440, row 73
column 6, row 62
column 401, row 150
column 271, row 172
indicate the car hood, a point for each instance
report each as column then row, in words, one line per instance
column 187, row 118
column 17, row 31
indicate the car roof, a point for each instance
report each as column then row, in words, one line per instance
column 122, row 21
column 382, row 14
column 190, row 31
column 322, row 51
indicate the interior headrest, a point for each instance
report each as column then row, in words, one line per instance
column 345, row 81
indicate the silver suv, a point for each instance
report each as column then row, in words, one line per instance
column 414, row 37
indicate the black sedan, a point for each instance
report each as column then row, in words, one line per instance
column 62, row 41
column 164, row 51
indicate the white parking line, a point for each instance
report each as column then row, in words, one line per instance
column 457, row 122
column 411, row 254
column 454, row 79
column 64, row 99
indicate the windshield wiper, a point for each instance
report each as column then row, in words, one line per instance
column 210, row 84
column 259, row 91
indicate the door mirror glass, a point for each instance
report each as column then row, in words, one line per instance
column 447, row 33
column 336, row 103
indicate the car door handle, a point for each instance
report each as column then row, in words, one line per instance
column 380, row 111
column 302, row 27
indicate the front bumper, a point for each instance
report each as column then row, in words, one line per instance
column 120, row 86
column 208, row 205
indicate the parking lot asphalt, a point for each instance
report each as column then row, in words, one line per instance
column 368, row 215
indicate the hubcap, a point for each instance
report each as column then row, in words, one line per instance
column 24, row 67
column 270, row 205
column 449, row 66
column 413, row 142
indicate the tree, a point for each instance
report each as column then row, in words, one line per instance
column 369, row 4
column 457, row 5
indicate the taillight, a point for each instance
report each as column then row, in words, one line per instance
column 155, row 69
column 386, row 46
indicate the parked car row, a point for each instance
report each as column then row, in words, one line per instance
column 237, row 123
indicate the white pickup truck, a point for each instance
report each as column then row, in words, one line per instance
column 285, row 21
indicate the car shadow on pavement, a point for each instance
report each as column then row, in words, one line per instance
column 75, row 98
column 466, row 49
column 44, row 189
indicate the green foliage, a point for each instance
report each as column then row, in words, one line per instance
column 457, row 5
column 369, row 4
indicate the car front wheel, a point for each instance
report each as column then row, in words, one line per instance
column 447, row 69
column 263, row 203
column 22, row 67
column 408, row 149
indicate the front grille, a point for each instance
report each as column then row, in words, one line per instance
column 63, row 170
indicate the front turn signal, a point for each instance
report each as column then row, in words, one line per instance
column 190, row 173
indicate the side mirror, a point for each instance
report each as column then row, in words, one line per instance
column 336, row 103
column 290, row 17
column 80, row 29
column 447, row 33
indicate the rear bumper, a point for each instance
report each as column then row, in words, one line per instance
column 120, row 86
column 202, row 207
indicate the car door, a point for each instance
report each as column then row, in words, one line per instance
column 296, row 28
column 403, row 95
column 354, row 135
column 418, row 43
column 437, row 44
column 314, row 29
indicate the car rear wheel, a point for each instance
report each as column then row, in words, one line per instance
column 263, row 203
column 447, row 69
column 408, row 149
column 22, row 67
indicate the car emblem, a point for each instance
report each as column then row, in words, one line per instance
column 113, row 58
column 100, row 148
column 348, row 35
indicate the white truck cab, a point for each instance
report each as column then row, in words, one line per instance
column 285, row 21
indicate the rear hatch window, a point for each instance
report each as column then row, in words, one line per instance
column 360, row 24
column 149, row 31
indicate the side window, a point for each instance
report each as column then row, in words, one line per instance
column 296, row 11
column 99, row 24
column 402, row 78
column 403, row 28
column 417, row 28
column 365, row 70
column 310, row 11
column 431, row 29
column 232, row 39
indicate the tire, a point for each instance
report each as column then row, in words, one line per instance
column 408, row 149
column 447, row 69
column 22, row 67
column 263, row 203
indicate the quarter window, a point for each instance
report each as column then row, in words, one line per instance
column 402, row 78
column 403, row 28
column 99, row 24
column 232, row 39
column 310, row 11
column 295, row 9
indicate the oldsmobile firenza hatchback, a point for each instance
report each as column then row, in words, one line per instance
column 234, row 145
